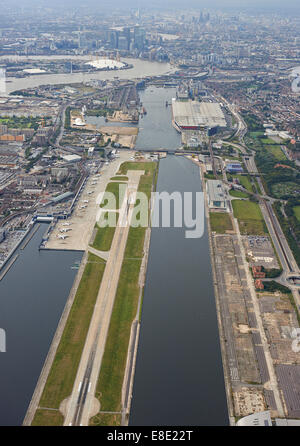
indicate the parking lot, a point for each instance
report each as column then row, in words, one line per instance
column 260, row 252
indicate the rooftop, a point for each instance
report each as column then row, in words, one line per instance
column 198, row 114
column 215, row 190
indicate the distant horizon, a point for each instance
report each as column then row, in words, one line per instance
column 254, row 6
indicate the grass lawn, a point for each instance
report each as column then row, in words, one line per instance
column 249, row 217
column 256, row 134
column 220, row 222
column 44, row 417
column 114, row 188
column 245, row 182
column 276, row 151
column 238, row 193
column 209, row 176
column 148, row 167
column 105, row 235
column 296, row 210
column 257, row 186
column 64, row 368
column 119, row 178
column 106, row 419
column 267, row 141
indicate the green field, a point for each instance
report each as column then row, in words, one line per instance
column 238, row 193
column 22, row 122
column 64, row 368
column 45, row 417
column 296, row 210
column 106, row 419
column 119, row 178
column 220, row 222
column 276, row 151
column 256, row 134
column 104, row 235
column 114, row 189
column 245, row 182
column 111, row 377
column 148, row 167
column 268, row 141
column 250, row 218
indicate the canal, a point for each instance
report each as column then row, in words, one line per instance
column 32, row 297
column 179, row 375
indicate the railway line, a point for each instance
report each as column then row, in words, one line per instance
column 278, row 236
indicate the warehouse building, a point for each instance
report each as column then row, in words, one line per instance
column 193, row 115
column 216, row 195
column 234, row 168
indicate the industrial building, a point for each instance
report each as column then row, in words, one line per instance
column 234, row 168
column 256, row 419
column 71, row 158
column 193, row 115
column 216, row 195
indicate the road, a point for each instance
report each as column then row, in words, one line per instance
column 283, row 250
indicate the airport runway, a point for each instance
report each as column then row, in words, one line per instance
column 82, row 403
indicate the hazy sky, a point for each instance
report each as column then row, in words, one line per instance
column 238, row 5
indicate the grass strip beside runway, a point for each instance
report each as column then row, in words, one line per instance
column 111, row 376
column 104, row 235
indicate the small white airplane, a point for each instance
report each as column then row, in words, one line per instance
column 62, row 236
column 66, row 224
column 65, row 230
column 85, row 201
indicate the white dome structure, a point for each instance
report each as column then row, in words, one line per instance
column 106, row 64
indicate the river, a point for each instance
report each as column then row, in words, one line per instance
column 32, row 297
column 179, row 375
column 141, row 68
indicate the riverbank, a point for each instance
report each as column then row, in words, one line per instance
column 141, row 69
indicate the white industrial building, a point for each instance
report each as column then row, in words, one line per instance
column 216, row 195
column 193, row 115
